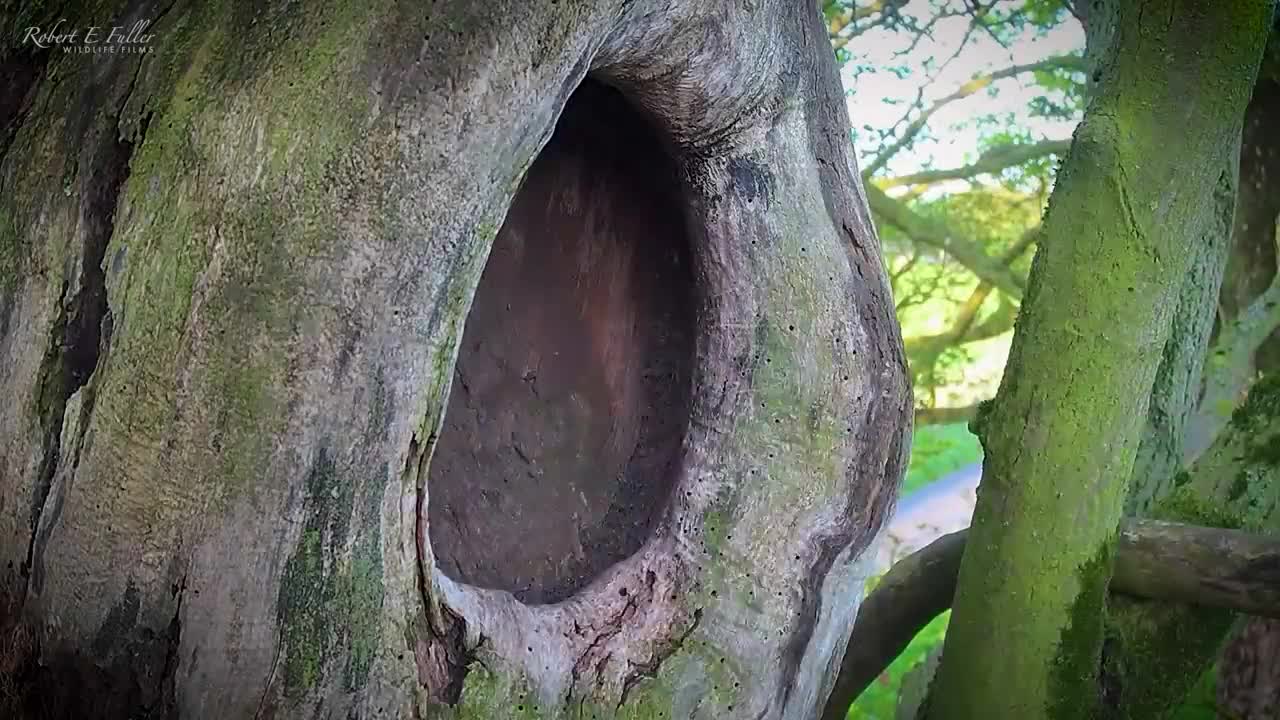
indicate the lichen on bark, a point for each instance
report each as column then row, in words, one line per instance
column 1062, row 436
column 1156, row 652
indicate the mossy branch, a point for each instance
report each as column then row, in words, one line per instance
column 1203, row 566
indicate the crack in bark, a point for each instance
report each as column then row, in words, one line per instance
column 271, row 674
column 649, row 668
column 612, row 627
column 81, row 332
column 441, row 656
column 173, row 638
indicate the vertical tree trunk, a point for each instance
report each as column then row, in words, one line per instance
column 242, row 476
column 1060, row 441
column 1253, row 262
column 1240, row 353
column 1180, row 375
column 1156, row 652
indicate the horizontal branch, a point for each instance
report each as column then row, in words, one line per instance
column 1228, row 569
column 926, row 348
column 928, row 232
column 991, row 161
column 1211, row 567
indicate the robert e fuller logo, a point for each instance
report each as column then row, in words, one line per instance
column 93, row 39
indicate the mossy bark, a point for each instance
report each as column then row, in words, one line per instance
column 1061, row 439
column 1156, row 652
column 1247, row 342
column 234, row 272
column 1180, row 376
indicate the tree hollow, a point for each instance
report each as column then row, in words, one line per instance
column 571, row 394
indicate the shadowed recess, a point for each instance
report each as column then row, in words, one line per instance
column 571, row 393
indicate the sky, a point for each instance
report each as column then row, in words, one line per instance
column 954, row 145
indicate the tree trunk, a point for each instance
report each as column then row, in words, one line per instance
column 1252, row 263
column 459, row 360
column 1241, row 353
column 1061, row 438
column 1249, row 676
column 1180, row 375
column 1157, row 651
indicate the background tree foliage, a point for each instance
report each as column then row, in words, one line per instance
column 958, row 178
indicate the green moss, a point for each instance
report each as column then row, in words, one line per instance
column 1239, row 486
column 489, row 692
column 230, row 99
column 978, row 424
column 1156, row 652
column 715, row 530
column 330, row 599
column 11, row 252
column 486, row 694
column 1076, row 663
column 1260, row 412
column 362, row 590
column 1185, row 505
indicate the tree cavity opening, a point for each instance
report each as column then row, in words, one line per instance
column 571, row 394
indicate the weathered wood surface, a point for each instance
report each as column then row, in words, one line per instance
column 235, row 277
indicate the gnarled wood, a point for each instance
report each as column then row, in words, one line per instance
column 225, row 501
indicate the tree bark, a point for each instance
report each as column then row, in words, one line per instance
column 1249, row 672
column 252, row 289
column 1183, row 422
column 1196, row 571
column 1252, row 264
column 1060, row 442
column 1248, row 313
column 1180, row 375
column 1156, row 652
column 1170, row 562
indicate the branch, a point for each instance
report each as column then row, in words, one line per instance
column 962, row 330
column 1209, row 567
column 916, row 589
column 1228, row 569
column 848, row 19
column 854, row 13
column 991, row 161
column 978, row 83
column 928, row 232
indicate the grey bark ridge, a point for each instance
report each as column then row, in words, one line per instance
column 219, row 505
